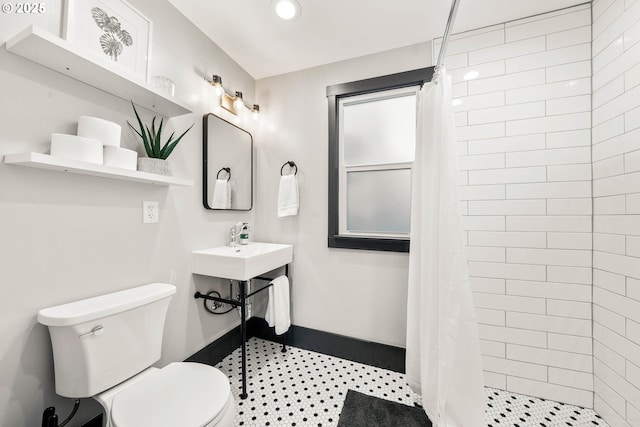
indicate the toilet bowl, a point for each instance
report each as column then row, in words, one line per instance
column 104, row 347
column 180, row 394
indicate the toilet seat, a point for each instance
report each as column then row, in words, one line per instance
column 180, row 394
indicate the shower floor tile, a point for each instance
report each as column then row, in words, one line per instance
column 305, row 388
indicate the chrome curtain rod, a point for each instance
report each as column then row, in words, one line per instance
column 445, row 38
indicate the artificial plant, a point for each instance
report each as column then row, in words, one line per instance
column 152, row 139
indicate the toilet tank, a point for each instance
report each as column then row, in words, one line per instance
column 101, row 341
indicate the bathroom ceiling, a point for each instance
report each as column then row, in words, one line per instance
column 332, row 30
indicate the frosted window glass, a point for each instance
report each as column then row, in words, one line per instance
column 379, row 131
column 379, row 201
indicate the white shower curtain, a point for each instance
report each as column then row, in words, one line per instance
column 443, row 362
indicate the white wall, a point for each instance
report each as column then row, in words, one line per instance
column 360, row 294
column 523, row 127
column 65, row 237
column 616, row 191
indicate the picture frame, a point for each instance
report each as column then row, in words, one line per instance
column 112, row 30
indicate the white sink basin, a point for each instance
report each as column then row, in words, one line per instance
column 241, row 262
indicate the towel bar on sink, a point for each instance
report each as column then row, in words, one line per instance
column 243, row 320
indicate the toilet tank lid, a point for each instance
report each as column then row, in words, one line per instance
column 101, row 306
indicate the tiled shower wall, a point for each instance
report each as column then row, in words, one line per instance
column 523, row 108
column 616, row 190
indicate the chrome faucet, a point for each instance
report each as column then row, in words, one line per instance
column 234, row 234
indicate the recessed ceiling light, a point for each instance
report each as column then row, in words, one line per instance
column 287, row 9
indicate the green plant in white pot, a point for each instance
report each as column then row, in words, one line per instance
column 156, row 150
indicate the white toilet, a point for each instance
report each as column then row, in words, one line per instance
column 104, row 347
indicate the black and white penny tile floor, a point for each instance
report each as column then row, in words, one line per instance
column 517, row 410
column 304, row 388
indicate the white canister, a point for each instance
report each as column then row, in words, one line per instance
column 103, row 130
column 120, row 157
column 76, row 148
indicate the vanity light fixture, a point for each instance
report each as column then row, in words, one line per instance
column 233, row 104
column 238, row 103
column 286, row 9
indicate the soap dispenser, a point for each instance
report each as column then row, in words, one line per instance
column 244, row 233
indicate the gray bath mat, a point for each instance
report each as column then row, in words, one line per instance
column 361, row 410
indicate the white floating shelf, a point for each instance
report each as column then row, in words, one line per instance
column 46, row 161
column 57, row 54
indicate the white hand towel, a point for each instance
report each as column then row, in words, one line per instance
column 278, row 306
column 288, row 198
column 221, row 195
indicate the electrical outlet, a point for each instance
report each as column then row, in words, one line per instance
column 150, row 212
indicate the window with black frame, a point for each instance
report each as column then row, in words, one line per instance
column 372, row 134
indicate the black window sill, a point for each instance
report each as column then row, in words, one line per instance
column 369, row 243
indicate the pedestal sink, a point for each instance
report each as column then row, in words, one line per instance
column 241, row 262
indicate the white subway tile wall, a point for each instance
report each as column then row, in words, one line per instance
column 616, row 197
column 524, row 125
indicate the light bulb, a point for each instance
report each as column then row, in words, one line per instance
column 238, row 104
column 255, row 111
column 216, row 82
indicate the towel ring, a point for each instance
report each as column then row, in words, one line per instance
column 291, row 165
column 227, row 170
